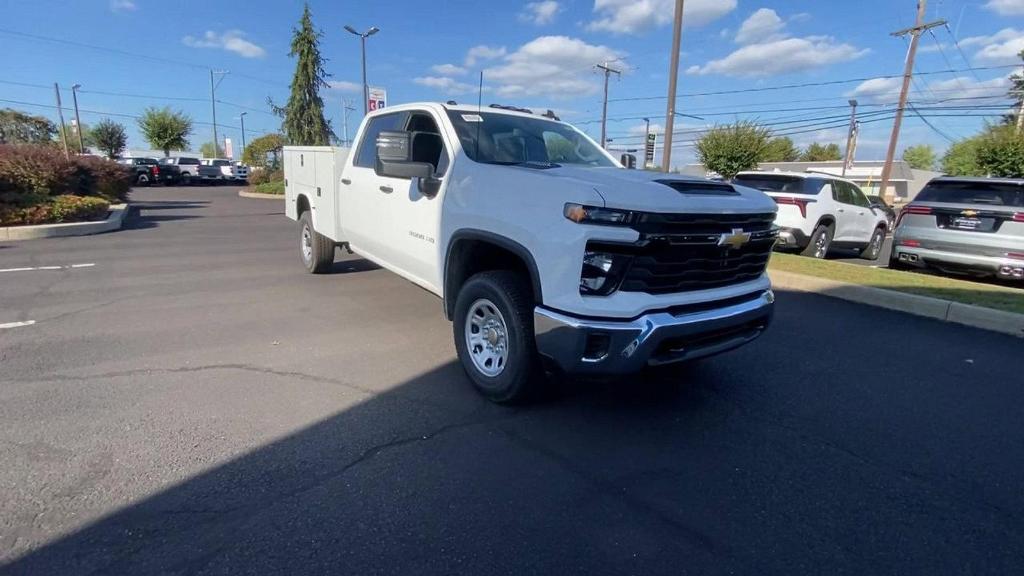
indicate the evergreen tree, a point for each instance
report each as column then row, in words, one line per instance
column 304, row 123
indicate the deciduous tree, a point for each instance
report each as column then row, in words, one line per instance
column 110, row 138
column 821, row 153
column 20, row 128
column 920, row 157
column 733, row 148
column 166, row 129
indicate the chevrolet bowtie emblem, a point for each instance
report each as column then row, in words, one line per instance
column 970, row 213
column 735, row 239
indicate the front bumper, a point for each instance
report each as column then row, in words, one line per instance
column 792, row 238
column 957, row 262
column 613, row 347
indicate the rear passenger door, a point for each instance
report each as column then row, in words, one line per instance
column 847, row 229
column 865, row 216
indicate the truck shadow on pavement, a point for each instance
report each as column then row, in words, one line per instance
column 759, row 461
column 352, row 266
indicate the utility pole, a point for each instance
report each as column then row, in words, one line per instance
column 346, row 107
column 673, row 74
column 849, row 136
column 213, row 104
column 608, row 71
column 63, row 128
column 908, row 73
column 241, row 117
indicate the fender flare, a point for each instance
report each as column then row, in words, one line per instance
column 502, row 242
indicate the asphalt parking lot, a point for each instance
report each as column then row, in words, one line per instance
column 187, row 400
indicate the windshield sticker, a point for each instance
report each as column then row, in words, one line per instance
column 472, row 118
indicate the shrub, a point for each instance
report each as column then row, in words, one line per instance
column 275, row 187
column 29, row 175
column 264, row 176
column 63, row 208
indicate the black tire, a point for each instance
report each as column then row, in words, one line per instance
column 142, row 179
column 186, row 179
column 874, row 248
column 820, row 242
column 320, row 254
column 519, row 379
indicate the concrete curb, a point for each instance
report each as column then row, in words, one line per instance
column 945, row 310
column 114, row 221
column 245, row 194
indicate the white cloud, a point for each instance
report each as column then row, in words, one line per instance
column 123, row 5
column 781, row 57
column 641, row 129
column 540, row 13
column 1002, row 47
column 768, row 49
column 553, row 66
column 344, row 86
column 637, row 16
column 445, row 84
column 929, row 48
column 762, row 26
column 231, row 40
column 448, row 70
column 477, row 53
column 949, row 92
column 1006, row 7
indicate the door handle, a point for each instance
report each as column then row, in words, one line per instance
column 346, row 181
column 840, row 210
column 387, row 189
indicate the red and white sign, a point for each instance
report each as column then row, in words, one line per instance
column 378, row 99
column 229, row 150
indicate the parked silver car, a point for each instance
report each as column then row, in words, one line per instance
column 971, row 226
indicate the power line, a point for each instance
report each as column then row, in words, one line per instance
column 812, row 84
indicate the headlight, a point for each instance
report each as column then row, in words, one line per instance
column 589, row 214
column 602, row 272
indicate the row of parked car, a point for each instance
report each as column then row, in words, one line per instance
column 960, row 226
column 185, row 170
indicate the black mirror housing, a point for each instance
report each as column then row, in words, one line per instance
column 394, row 156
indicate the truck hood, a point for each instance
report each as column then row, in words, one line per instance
column 654, row 192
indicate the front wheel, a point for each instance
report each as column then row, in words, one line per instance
column 874, row 248
column 317, row 251
column 493, row 329
column 186, row 179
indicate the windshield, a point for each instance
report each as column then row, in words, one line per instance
column 994, row 193
column 778, row 183
column 493, row 138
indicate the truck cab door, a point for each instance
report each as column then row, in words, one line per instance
column 363, row 209
column 414, row 206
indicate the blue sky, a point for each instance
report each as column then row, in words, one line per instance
column 538, row 54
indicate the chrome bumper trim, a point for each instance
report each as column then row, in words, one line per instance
column 651, row 339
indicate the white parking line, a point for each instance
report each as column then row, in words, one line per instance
column 17, row 324
column 31, row 268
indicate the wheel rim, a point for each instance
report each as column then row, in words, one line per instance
column 821, row 245
column 876, row 243
column 307, row 244
column 487, row 338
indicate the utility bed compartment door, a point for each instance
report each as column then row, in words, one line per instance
column 313, row 172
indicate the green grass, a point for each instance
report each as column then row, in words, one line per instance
column 976, row 293
column 275, row 187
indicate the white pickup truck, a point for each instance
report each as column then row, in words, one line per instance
column 548, row 255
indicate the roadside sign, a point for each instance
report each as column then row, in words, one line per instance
column 652, row 138
column 228, row 149
column 378, row 99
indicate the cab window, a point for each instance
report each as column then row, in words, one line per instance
column 366, row 157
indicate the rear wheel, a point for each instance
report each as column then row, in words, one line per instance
column 493, row 329
column 820, row 242
column 186, row 179
column 874, row 248
column 317, row 251
column 142, row 179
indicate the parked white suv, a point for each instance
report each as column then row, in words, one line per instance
column 818, row 212
column 547, row 253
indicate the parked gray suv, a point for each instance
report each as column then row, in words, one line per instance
column 972, row 226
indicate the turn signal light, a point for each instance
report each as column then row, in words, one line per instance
column 1018, row 217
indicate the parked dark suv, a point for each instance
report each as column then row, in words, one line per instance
column 148, row 171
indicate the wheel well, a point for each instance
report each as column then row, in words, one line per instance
column 301, row 205
column 469, row 256
column 826, row 221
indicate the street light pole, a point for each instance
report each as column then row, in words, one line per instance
column 78, row 120
column 362, row 41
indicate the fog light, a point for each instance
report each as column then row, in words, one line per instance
column 601, row 272
column 596, row 348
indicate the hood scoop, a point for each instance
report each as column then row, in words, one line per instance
column 700, row 188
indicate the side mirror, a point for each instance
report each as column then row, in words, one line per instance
column 394, row 157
